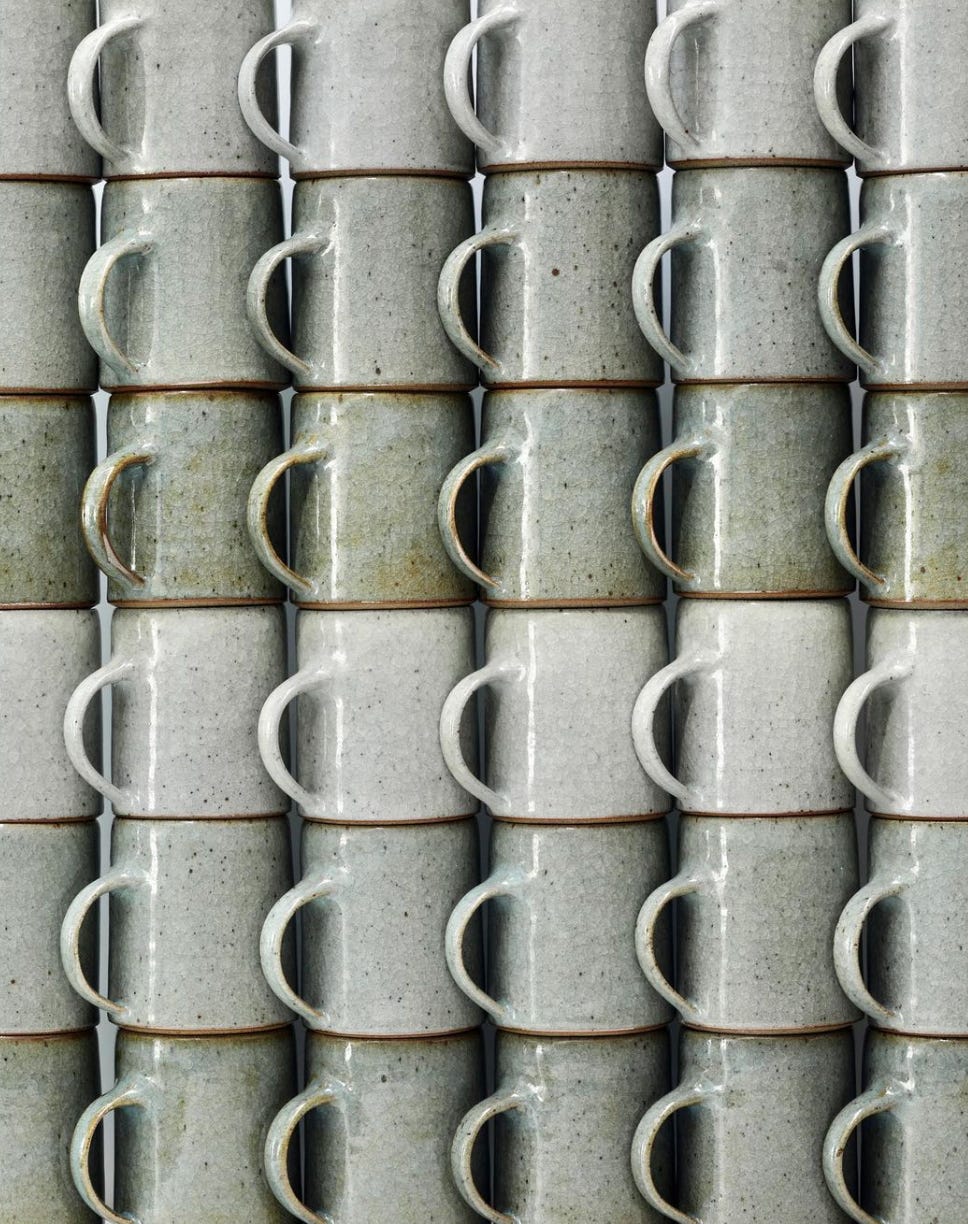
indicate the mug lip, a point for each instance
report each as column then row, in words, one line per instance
column 551, row 601
column 420, row 1035
column 52, row 823
column 378, row 605
column 908, row 171
column 219, row 391
column 69, row 1034
column 812, row 380
column 485, row 166
column 80, row 180
column 575, row 822
column 213, row 819
column 919, row 818
column 920, row 602
column 766, row 1031
column 223, row 384
column 227, row 601
column 192, row 1035
column 129, row 176
column 203, row 1031
column 458, row 1036
column 839, row 593
column 811, row 1034
column 78, row 606
column 422, row 172
column 582, row 1033
column 814, row 814
column 415, row 822
column 780, row 162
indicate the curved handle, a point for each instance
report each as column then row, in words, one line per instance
column 507, row 885
column 111, row 673
column 134, row 1091
column 828, row 294
column 658, row 68
column 645, row 925
column 825, row 85
column 837, row 505
column 91, row 291
column 643, row 1143
column 270, row 720
column 259, row 125
column 94, row 512
column 457, row 69
column 276, row 1155
column 80, row 88
column 878, row 1099
column 448, row 293
column 306, row 450
column 462, row 1151
column 643, row 295
column 643, row 504
column 70, row 933
column 643, row 719
column 850, row 928
column 257, row 295
column 888, row 671
column 273, row 935
column 493, row 452
column 450, row 721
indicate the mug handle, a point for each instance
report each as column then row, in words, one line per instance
column 643, row 1143
column 888, row 671
column 850, row 928
column 307, row 450
column 643, row 504
column 80, row 87
column 658, row 68
column 450, row 721
column 507, row 884
column 270, row 720
column 683, row 884
column 484, row 456
column 457, row 68
column 643, row 719
column 132, row 1092
column 94, row 511
column 271, row 940
column 837, row 504
column 276, row 1156
column 112, row 672
column 448, row 293
column 828, row 294
column 257, row 293
column 259, row 125
column 91, row 291
column 70, row 932
column 825, row 85
column 647, row 267
column 462, row 1150
column 880, row 1098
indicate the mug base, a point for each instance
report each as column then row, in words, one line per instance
column 928, row 604
column 576, row 822
column 836, row 594
column 778, row 163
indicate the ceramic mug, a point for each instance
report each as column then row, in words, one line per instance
column 187, row 684
column 367, row 252
column 557, row 469
column 368, row 95
column 757, row 903
column 191, row 1116
column 379, row 1119
column 166, row 82
column 164, row 514
column 755, row 64
column 747, row 247
column 916, row 694
column 375, row 902
column 914, row 228
column 914, row 1138
column 562, row 903
column 188, row 899
column 737, row 1099
column 43, row 563
column 749, row 465
column 555, row 87
column 162, row 301
column 913, row 474
column 757, row 684
column 907, row 82
column 561, row 687
column 557, row 249
column 350, row 454
column 566, row 1110
column 370, row 688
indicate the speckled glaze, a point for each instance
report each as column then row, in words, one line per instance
column 368, row 93
column 555, row 86
column 380, row 1116
column 45, row 1082
column 558, row 469
column 371, row 687
column 754, row 1111
column 566, row 1110
column 915, row 1135
column 749, row 467
column 191, row 1116
column 561, row 688
column 747, row 247
column 732, row 81
column 757, row 684
column 164, row 515
column 916, row 694
column 351, row 453
column 188, row 686
column 165, row 102
column 163, row 299
column 562, row 907
column 367, row 252
column 42, row 558
column 557, row 253
column 188, row 899
column 758, row 901
column 375, row 902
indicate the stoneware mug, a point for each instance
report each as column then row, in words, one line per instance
column 164, row 514
column 566, row 1109
column 166, row 83
column 379, row 1120
column 375, row 900
column 757, row 901
column 557, row 250
column 747, row 247
column 757, row 684
column 913, row 469
column 162, row 300
column 914, row 1138
column 370, row 687
column 188, row 684
column 562, row 902
column 738, row 1098
column 188, row 898
column 367, row 94
column 367, row 252
column 555, row 88
column 561, row 686
column 191, row 1116
column 749, row 465
column 354, row 455
column 916, row 694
